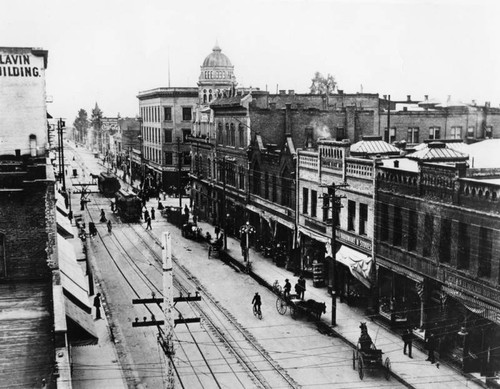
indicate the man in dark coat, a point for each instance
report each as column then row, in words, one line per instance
column 302, row 284
column 97, row 305
column 431, row 346
column 287, row 288
column 408, row 341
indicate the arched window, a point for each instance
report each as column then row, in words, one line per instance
column 219, row 133
column 33, row 145
column 256, row 179
column 233, row 136
column 241, row 136
column 227, row 133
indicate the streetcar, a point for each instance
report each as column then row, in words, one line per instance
column 128, row 206
column 108, row 184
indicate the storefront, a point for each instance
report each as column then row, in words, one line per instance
column 353, row 273
column 400, row 298
column 313, row 248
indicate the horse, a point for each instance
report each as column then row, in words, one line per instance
column 365, row 341
column 315, row 308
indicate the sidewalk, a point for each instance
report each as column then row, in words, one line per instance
column 414, row 373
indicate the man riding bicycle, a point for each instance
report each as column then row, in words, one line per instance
column 256, row 303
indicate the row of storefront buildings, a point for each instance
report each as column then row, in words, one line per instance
column 416, row 215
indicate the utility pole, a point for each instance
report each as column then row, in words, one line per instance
column 332, row 274
column 165, row 337
column 224, row 218
column 388, row 140
column 179, row 168
column 60, row 127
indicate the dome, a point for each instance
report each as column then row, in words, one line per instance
column 216, row 59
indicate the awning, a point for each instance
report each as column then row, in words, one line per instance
column 60, row 204
column 286, row 223
column 75, row 286
column 314, row 235
column 358, row 263
column 81, row 329
column 474, row 305
column 64, row 227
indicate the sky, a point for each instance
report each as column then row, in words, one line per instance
column 106, row 51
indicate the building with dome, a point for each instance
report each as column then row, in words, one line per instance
column 170, row 115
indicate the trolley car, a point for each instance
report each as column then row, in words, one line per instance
column 108, row 184
column 128, row 206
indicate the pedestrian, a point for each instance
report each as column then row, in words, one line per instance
column 408, row 341
column 148, row 226
column 152, row 213
column 112, row 206
column 302, row 284
column 287, row 288
column 297, row 289
column 217, row 231
column 109, row 226
column 431, row 346
column 146, row 214
column 103, row 216
column 97, row 305
column 160, row 206
column 70, row 216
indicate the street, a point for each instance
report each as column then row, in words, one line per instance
column 231, row 347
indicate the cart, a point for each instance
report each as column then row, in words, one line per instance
column 368, row 357
column 299, row 307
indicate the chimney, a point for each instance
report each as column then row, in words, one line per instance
column 282, row 92
column 288, row 122
column 291, row 92
column 426, row 97
column 385, row 97
column 341, row 92
column 487, row 104
column 408, row 98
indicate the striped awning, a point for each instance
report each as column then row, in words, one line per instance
column 474, row 305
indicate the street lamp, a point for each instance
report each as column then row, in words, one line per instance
column 245, row 231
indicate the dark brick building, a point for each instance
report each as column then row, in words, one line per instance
column 437, row 250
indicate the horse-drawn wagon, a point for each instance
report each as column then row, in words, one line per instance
column 298, row 307
column 367, row 356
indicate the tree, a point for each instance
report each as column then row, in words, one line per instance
column 81, row 125
column 96, row 121
column 323, row 85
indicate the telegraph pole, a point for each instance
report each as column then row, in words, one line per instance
column 165, row 337
column 224, row 218
column 60, row 127
column 179, row 168
column 332, row 274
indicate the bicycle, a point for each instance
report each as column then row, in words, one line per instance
column 257, row 312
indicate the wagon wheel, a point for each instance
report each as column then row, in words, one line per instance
column 281, row 305
column 293, row 311
column 387, row 366
column 353, row 360
column 361, row 366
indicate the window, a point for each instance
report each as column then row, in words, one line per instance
column 242, row 178
column 186, row 113
column 219, row 133
column 384, row 224
column 340, row 133
column 232, row 141
column 456, row 132
column 168, row 135
column 412, row 230
column 185, row 133
column 169, row 158
column 314, row 202
column 485, row 252
column 305, row 200
column 326, row 206
column 412, row 135
column 228, row 134
column 275, row 189
column 435, row 133
column 445, row 241
column 241, row 136
column 428, row 235
column 266, row 185
column 470, row 132
column 397, row 225
column 390, row 136
column 363, row 218
column 351, row 215
column 463, row 252
column 167, row 113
